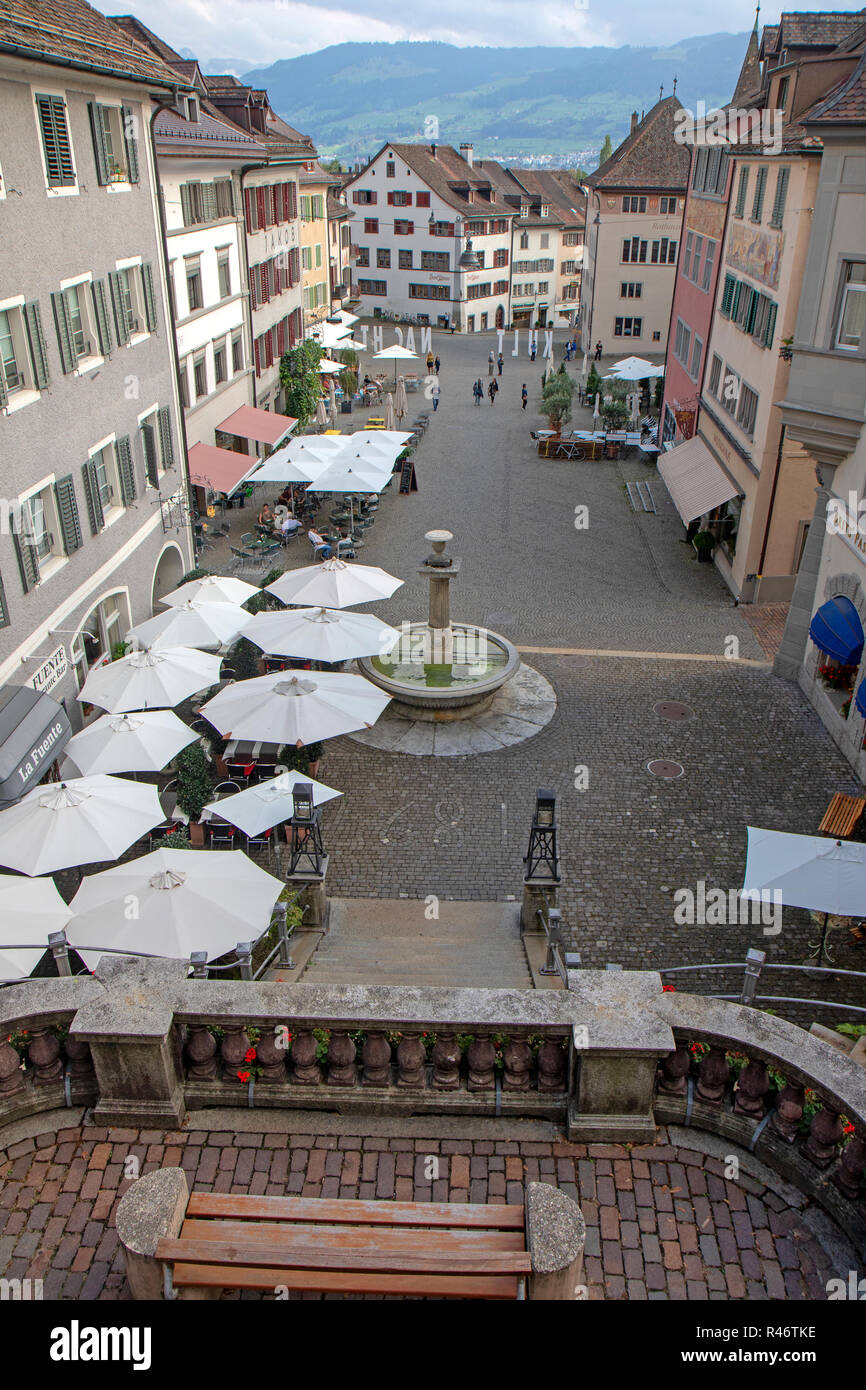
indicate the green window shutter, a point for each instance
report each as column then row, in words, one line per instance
column 64, row 336
column 128, row 117
column 742, row 191
column 120, row 323
column 209, row 202
column 728, row 295
column 94, row 501
column 752, row 309
column 735, row 297
column 28, row 563
column 186, row 206
column 4, row 606
column 4, row 394
column 38, row 351
column 101, row 153
column 770, row 326
column 149, row 296
column 55, row 140
column 100, row 304
column 151, row 464
column 758, row 202
column 165, row 437
column 779, row 199
column 125, row 469
column 67, row 511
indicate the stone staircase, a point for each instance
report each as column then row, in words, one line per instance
column 386, row 941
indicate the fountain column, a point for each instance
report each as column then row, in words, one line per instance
column 440, row 569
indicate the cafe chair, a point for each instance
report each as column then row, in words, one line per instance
column 220, row 832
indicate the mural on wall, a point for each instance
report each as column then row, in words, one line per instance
column 756, row 253
column 706, row 217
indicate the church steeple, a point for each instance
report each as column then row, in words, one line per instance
column 749, row 80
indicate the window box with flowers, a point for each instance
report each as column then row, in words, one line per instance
column 839, row 682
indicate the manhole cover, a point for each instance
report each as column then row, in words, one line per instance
column 663, row 767
column 673, row 709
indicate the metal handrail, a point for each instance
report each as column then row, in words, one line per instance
column 755, row 962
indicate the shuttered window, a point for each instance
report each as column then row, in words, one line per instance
column 166, row 441
column 67, row 514
column 728, row 295
column 100, row 304
column 28, row 563
column 125, row 470
column 758, row 200
column 92, row 497
column 5, row 620
column 149, row 296
column 55, row 141
column 778, row 213
column 129, row 123
column 68, row 356
column 742, row 191
column 118, row 289
column 38, row 353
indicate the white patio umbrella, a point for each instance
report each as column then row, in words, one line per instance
column 81, row 821
column 185, row 902
column 634, row 369
column 809, row 871
column 150, row 679
column 290, row 709
column 144, row 741
column 321, row 413
column 214, row 588
column 390, row 418
column 191, row 624
column 261, row 807
column 321, row 634
column 401, row 404
column 380, row 437
column 395, row 354
column 30, row 908
column 353, row 475
column 334, row 584
column 346, row 319
column 299, row 462
column 328, row 367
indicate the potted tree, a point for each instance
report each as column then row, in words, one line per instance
column 194, row 788
column 704, row 543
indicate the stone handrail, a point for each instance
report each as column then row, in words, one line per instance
column 44, row 1070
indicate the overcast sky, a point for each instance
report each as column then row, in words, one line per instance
column 260, row 31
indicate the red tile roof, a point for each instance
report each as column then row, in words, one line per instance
column 648, row 157
column 72, row 32
column 449, row 176
column 846, row 104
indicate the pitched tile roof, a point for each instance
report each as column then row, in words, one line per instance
column 72, row 32
column 210, row 135
column 554, row 186
column 648, row 157
column 449, row 176
column 817, row 29
column 845, row 104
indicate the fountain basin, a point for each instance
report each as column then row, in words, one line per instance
column 443, row 673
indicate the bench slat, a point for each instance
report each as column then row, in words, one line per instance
column 342, row 1237
column 333, row 1211
column 303, row 1254
column 320, row 1281
column 842, row 815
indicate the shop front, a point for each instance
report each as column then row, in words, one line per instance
column 34, row 730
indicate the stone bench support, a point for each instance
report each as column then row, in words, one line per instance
column 555, row 1237
column 155, row 1206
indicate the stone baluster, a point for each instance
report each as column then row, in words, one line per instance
column 43, row 1053
column 341, row 1059
column 446, row 1062
column 411, row 1057
column 673, row 1071
column 306, row 1069
column 200, row 1054
column 480, row 1057
column 825, row 1132
column 233, row 1050
column 376, row 1056
column 79, row 1062
column 551, row 1065
column 752, row 1086
column 11, row 1076
column 849, row 1174
column 713, row 1074
column 271, row 1058
column 517, row 1057
column 789, row 1111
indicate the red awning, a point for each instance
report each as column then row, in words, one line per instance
column 220, row 469
column 265, row 426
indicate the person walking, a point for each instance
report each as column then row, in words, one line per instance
column 568, row 352
column 452, row 330
column 524, row 395
column 435, row 395
column 491, row 363
column 598, row 351
column 438, row 364
column 534, row 346
column 492, row 390
column 500, row 362
column 430, row 363
column 478, row 391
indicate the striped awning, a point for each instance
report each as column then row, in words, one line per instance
column 696, row 483
column 220, row 469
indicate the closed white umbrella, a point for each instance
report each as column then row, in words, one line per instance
column 150, row 679
column 321, row 634
column 290, row 709
column 192, row 624
column 321, row 413
column 144, row 741
column 334, row 584
column 390, row 418
column 30, row 908
column 213, row 588
column 184, row 902
column 332, row 404
column 261, row 807
column 333, row 416
column 596, row 410
column 401, row 404
column 82, row 821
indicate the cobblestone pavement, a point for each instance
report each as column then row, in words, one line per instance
column 662, row 1222
column 768, row 624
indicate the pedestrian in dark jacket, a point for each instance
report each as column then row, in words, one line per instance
column 524, row 395
column 492, row 390
column 598, row 351
column 532, row 353
column 478, row 391
column 499, row 362
column 438, row 365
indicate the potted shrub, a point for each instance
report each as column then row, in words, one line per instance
column 305, row 759
column 704, row 543
column 194, row 788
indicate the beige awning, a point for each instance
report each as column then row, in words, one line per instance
column 696, row 483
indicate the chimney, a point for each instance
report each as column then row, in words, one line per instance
column 467, row 153
column 634, row 122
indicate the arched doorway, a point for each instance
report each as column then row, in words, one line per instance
column 500, row 317
column 168, row 573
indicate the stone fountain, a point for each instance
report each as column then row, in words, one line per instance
column 442, row 670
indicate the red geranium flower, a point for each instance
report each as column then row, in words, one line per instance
column 668, row 989
column 243, row 1076
column 848, row 1129
column 250, row 1054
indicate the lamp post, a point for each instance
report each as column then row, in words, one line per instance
column 308, row 862
column 541, row 876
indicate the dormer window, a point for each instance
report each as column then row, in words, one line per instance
column 193, row 110
column 545, row 209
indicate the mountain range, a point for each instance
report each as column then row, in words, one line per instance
column 520, row 103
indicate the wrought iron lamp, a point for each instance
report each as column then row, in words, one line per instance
column 542, row 859
column 306, row 851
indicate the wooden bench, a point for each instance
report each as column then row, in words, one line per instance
column 841, row 817
column 195, row 1245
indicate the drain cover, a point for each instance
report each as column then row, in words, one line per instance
column 663, row 767
column 673, row 709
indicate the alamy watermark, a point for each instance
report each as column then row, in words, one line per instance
column 758, row 126
column 847, row 518
column 732, row 907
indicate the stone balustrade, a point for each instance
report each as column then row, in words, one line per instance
column 609, row 1058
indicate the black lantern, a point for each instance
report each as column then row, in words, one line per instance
column 306, row 850
column 542, row 859
column 302, row 802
